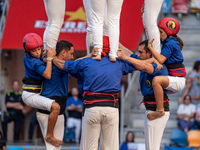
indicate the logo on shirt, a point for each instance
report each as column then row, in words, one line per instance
column 148, row 82
column 171, row 25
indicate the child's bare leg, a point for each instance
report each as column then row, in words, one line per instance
column 95, row 54
column 55, row 110
column 158, row 83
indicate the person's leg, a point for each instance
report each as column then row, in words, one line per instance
column 41, row 102
column 31, row 127
column 55, row 11
column 176, row 84
column 158, row 83
column 55, row 110
column 182, row 124
column 46, row 32
column 77, row 129
column 36, row 101
column 6, row 120
column 81, row 142
column 18, row 119
column 110, row 127
column 151, row 12
column 88, row 11
column 113, row 14
column 190, row 124
column 58, row 130
column 97, row 25
column 91, row 128
column 153, row 131
column 70, row 122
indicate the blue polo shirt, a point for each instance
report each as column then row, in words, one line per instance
column 57, row 85
column 34, row 67
column 100, row 76
column 172, row 51
column 146, row 79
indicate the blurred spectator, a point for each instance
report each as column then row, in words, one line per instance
column 197, row 118
column 32, row 127
column 191, row 90
column 2, row 142
column 195, row 73
column 74, row 107
column 129, row 139
column 15, row 106
column 185, row 114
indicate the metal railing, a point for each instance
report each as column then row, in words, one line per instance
column 124, row 95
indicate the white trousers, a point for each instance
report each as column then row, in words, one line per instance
column 35, row 100
column 98, row 120
column 55, row 10
column 58, row 131
column 153, row 131
column 150, row 16
column 113, row 16
column 176, row 84
column 74, row 122
column 89, row 37
column 100, row 139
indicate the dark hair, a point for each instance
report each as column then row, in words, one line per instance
column 186, row 97
column 63, row 45
column 128, row 134
column 196, row 65
column 79, row 94
column 179, row 40
column 145, row 43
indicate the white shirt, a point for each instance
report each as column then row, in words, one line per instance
column 186, row 109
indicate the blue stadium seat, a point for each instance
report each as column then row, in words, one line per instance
column 14, row 148
column 179, row 137
column 177, row 148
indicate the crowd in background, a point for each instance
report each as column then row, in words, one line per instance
column 188, row 112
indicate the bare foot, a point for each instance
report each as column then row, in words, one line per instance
column 112, row 59
column 155, row 115
column 53, row 140
column 97, row 57
column 95, row 54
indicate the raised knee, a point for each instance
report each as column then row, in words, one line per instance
column 55, row 107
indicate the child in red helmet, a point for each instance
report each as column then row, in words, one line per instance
column 172, row 57
column 35, row 71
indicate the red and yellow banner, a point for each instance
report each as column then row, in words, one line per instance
column 26, row 16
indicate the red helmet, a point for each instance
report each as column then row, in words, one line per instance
column 170, row 25
column 106, row 45
column 32, row 41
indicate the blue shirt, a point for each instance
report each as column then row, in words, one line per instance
column 71, row 100
column 80, row 81
column 100, row 76
column 146, row 79
column 57, row 85
column 34, row 68
column 172, row 51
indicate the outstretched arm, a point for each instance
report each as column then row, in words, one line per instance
column 138, row 64
column 126, row 50
column 50, row 54
column 59, row 63
column 88, row 55
column 159, row 57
